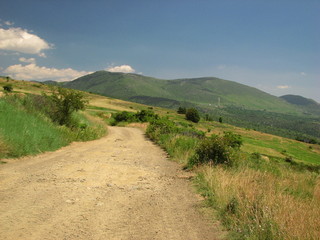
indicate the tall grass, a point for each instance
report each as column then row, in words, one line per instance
column 24, row 134
column 256, row 197
column 261, row 205
column 178, row 141
column 26, row 129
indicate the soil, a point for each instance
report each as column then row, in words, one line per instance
column 119, row 187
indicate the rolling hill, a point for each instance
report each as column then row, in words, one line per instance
column 308, row 105
column 236, row 103
column 206, row 93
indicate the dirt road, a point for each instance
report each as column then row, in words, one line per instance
column 119, row 187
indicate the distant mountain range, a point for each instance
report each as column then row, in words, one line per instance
column 206, row 93
column 238, row 104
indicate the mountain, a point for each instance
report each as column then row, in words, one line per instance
column 206, row 93
column 299, row 100
column 236, row 103
column 308, row 105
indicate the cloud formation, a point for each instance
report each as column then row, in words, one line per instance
column 27, row 60
column 283, row 87
column 20, row 40
column 34, row 72
column 122, row 68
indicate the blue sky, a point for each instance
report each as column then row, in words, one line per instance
column 272, row 45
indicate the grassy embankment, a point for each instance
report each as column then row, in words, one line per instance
column 26, row 129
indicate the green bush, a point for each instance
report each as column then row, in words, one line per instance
column 182, row 110
column 141, row 116
column 8, row 88
column 233, row 140
column 192, row 114
column 217, row 150
column 146, row 116
column 159, row 127
column 64, row 102
column 123, row 116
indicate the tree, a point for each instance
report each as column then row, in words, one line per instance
column 182, row 110
column 65, row 102
column 8, row 88
column 192, row 114
column 220, row 119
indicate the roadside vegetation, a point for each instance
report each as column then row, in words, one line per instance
column 255, row 195
column 31, row 124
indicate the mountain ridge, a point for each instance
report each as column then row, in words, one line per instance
column 205, row 92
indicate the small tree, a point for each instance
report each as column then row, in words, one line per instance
column 65, row 102
column 182, row 110
column 192, row 114
column 8, row 88
column 220, row 119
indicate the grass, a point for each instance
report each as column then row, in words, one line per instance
column 262, row 205
column 257, row 197
column 279, row 147
column 26, row 130
column 24, row 134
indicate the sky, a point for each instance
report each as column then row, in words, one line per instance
column 272, row 45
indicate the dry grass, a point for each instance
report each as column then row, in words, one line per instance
column 260, row 205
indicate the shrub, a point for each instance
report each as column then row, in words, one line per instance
column 141, row 116
column 216, row 149
column 161, row 126
column 146, row 116
column 192, row 114
column 233, row 140
column 123, row 116
column 8, row 88
column 182, row 110
column 65, row 102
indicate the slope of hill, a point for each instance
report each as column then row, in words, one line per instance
column 308, row 105
column 236, row 103
column 204, row 92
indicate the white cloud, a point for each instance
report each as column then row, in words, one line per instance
column 8, row 23
column 27, row 60
column 303, row 74
column 283, row 87
column 122, row 68
column 20, row 40
column 34, row 72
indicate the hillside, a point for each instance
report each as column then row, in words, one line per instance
column 308, row 105
column 236, row 103
column 205, row 92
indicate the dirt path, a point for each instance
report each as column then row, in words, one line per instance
column 118, row 187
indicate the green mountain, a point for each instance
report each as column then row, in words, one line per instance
column 236, row 103
column 206, row 93
column 308, row 105
column 299, row 100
